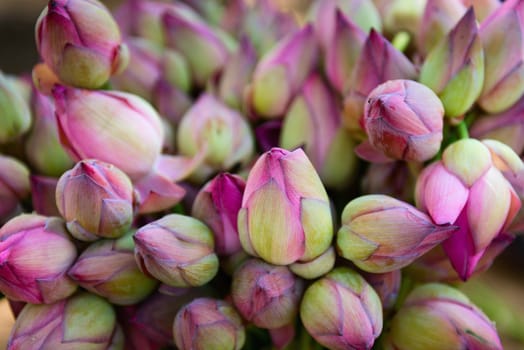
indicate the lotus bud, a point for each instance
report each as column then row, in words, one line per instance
column 404, row 119
column 393, row 179
column 380, row 234
column 378, row 62
column 96, row 200
column 43, row 195
column 454, row 68
column 342, row 311
column 387, row 286
column 266, row 295
column 108, row 268
column 285, row 187
column 207, row 323
column 178, row 250
column 483, row 8
column 436, row 316
column 267, row 134
column 16, row 115
column 281, row 72
column 317, row 267
column 401, row 15
column 216, row 130
column 83, row 321
column 81, row 43
column 92, row 122
column 14, row 186
column 466, row 189
column 217, row 205
column 501, row 35
column 171, row 102
column 439, row 17
column 36, row 275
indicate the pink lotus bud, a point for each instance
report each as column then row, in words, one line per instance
column 177, row 250
column 36, row 275
column 43, row 195
column 393, row 179
column 108, row 268
column 281, row 72
column 483, row 8
column 14, row 186
column 400, row 15
column 208, row 324
column 313, row 122
column 501, row 35
column 316, row 267
column 387, row 286
column 454, row 68
column 439, row 17
column 80, row 41
column 380, row 234
column 266, row 295
column 404, row 119
column 96, row 200
column 379, row 62
column 342, row 311
column 83, row 321
column 436, row 316
column 217, row 205
column 285, row 187
column 466, row 189
column 16, row 115
column 92, row 122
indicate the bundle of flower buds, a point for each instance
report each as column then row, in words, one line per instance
column 237, row 175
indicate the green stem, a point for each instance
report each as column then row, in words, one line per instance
column 401, row 41
column 462, row 129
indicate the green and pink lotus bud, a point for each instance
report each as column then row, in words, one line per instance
column 403, row 120
column 392, row 178
column 43, row 195
column 35, row 254
column 14, row 186
column 483, row 8
column 280, row 73
column 313, row 121
column 436, row 316
column 178, row 250
column 16, row 114
column 467, row 190
column 400, row 15
column 96, row 200
column 108, row 268
column 342, row 311
column 379, row 61
column 387, row 285
column 83, row 321
column 380, row 234
column 266, row 295
column 217, row 205
column 81, row 42
column 439, row 17
column 454, row 68
column 285, row 187
column 207, row 323
column 92, row 122
column 501, row 35
column 316, row 267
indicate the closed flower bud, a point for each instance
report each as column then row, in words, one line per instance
column 381, row 234
column 177, row 250
column 108, row 268
column 436, row 316
column 93, row 122
column 208, row 324
column 14, row 186
column 16, row 115
column 35, row 254
column 84, row 321
column 266, row 295
column 285, row 187
column 80, row 41
column 96, row 200
column 342, row 311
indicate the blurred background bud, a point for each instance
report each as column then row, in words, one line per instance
column 400, row 15
column 14, row 186
column 393, row 179
column 43, row 195
column 387, row 285
column 16, row 114
column 483, row 8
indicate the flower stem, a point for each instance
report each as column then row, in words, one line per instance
column 462, row 129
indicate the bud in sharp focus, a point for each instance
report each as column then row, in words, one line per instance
column 15, row 116
column 177, row 250
column 454, row 68
column 436, row 316
column 266, row 295
column 91, row 123
column 14, row 186
column 96, row 200
column 108, row 268
column 404, row 120
column 35, row 254
column 285, row 187
column 342, row 311
column 83, row 321
column 80, row 41
column 381, row 234
column 208, row 324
